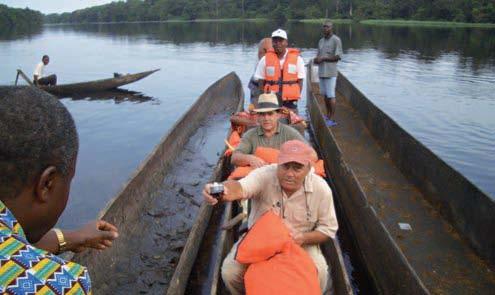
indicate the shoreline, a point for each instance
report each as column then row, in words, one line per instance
column 421, row 23
column 199, row 20
column 370, row 22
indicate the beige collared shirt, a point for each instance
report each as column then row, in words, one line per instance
column 310, row 208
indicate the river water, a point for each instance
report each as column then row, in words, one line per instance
column 437, row 83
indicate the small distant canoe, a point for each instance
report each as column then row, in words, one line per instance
column 96, row 86
column 90, row 86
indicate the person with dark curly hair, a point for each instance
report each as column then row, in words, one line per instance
column 38, row 152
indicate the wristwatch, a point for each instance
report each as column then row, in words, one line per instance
column 61, row 240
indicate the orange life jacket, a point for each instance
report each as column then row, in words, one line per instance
column 269, row 155
column 277, row 265
column 286, row 78
column 234, row 140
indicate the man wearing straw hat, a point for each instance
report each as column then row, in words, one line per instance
column 270, row 133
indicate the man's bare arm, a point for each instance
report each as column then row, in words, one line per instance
column 334, row 58
column 310, row 238
column 241, row 159
column 301, row 83
column 232, row 192
column 240, row 120
column 97, row 234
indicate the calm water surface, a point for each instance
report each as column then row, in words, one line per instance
column 436, row 83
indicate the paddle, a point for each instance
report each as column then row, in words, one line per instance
column 20, row 72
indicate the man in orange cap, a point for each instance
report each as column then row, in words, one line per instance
column 292, row 190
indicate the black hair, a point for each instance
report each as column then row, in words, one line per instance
column 45, row 56
column 36, row 131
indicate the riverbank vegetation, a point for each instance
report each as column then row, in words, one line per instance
column 468, row 11
column 15, row 18
column 416, row 23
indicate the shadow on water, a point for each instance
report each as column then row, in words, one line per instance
column 117, row 95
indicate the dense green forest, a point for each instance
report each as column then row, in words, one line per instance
column 11, row 18
column 482, row 11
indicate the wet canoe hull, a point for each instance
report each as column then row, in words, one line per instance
column 127, row 208
column 396, row 262
column 96, row 86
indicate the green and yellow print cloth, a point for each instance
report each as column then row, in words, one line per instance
column 25, row 269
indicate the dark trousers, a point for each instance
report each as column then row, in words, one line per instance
column 255, row 91
column 48, row 80
column 290, row 104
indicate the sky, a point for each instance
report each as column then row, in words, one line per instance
column 54, row 6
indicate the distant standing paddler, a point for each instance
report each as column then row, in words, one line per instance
column 38, row 75
column 281, row 71
column 329, row 54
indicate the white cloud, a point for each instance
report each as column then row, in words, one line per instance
column 52, row 6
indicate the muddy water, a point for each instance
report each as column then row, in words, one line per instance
column 155, row 249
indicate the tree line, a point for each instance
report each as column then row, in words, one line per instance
column 11, row 18
column 159, row 10
column 481, row 11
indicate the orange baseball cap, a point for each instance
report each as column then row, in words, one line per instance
column 296, row 151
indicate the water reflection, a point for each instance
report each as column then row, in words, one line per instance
column 117, row 95
column 437, row 83
column 178, row 32
column 475, row 46
column 19, row 32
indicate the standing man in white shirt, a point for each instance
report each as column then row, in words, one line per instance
column 281, row 71
column 38, row 75
column 329, row 54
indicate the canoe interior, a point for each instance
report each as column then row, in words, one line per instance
column 466, row 207
column 96, row 86
column 205, row 277
column 376, row 194
column 142, row 208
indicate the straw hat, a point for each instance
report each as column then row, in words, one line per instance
column 267, row 102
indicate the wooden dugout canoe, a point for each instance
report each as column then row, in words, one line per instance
column 200, row 274
column 129, row 209
column 97, row 85
column 383, row 177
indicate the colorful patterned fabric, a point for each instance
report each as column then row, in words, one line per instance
column 25, row 269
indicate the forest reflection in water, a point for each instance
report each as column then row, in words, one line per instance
column 437, row 83
column 476, row 45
